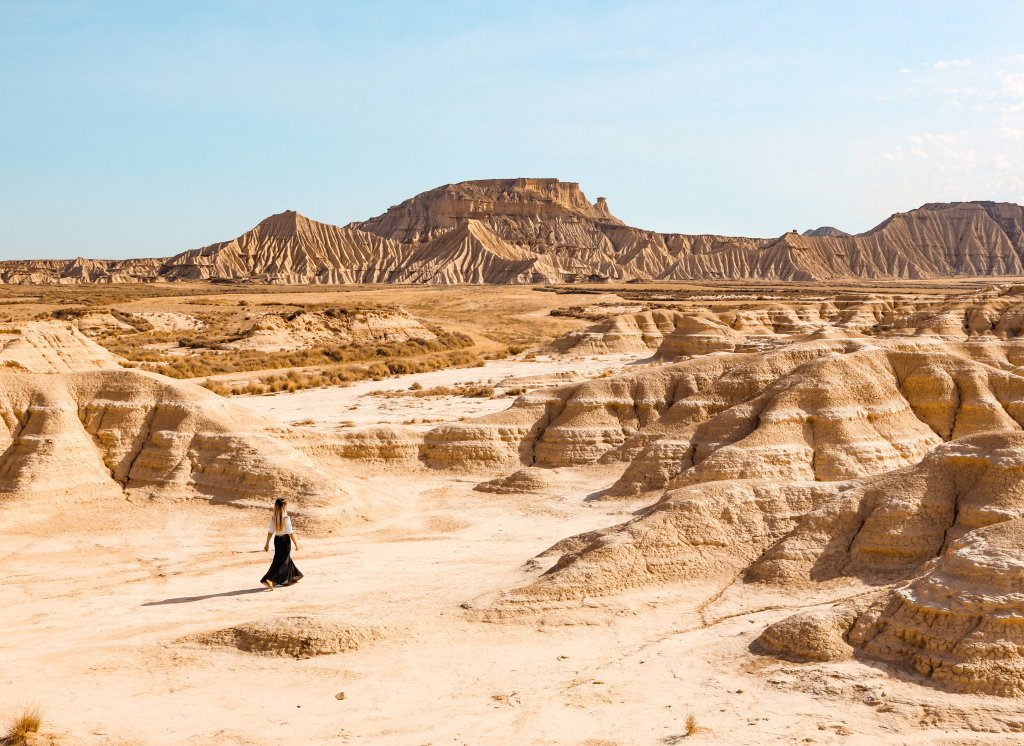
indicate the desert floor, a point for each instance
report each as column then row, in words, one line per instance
column 98, row 597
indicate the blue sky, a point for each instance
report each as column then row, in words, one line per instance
column 147, row 128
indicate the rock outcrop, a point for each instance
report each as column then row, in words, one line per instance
column 960, row 623
column 546, row 231
column 70, row 432
column 292, row 249
column 78, row 271
column 52, row 348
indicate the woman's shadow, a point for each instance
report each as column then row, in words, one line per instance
column 190, row 599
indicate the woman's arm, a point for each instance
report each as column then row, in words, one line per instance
column 294, row 540
column 266, row 544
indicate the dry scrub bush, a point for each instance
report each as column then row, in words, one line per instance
column 295, row 380
column 469, row 390
column 691, row 725
column 22, row 726
column 213, row 362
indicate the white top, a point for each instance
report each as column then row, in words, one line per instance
column 287, row 526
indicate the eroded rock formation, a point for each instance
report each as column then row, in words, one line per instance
column 73, row 427
column 543, row 230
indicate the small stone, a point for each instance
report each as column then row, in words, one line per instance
column 340, row 695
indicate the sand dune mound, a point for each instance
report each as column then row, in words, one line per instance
column 522, row 482
column 335, row 326
column 51, row 347
column 294, row 636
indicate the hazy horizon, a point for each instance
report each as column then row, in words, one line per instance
column 136, row 130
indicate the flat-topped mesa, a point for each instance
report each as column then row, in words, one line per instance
column 514, row 231
column 422, row 217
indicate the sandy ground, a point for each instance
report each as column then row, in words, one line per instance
column 337, row 407
column 94, row 614
column 97, row 597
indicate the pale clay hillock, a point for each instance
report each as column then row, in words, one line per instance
column 303, row 329
column 877, row 454
column 878, row 529
column 51, row 347
column 669, row 333
column 521, row 482
column 107, row 431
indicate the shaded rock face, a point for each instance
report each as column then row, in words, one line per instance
column 960, row 623
column 526, row 230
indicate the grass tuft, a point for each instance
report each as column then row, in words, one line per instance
column 20, row 727
column 691, row 725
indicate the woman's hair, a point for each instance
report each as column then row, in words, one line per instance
column 279, row 506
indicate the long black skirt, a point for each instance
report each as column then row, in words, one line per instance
column 282, row 570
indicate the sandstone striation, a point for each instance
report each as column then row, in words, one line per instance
column 958, row 624
column 52, row 347
column 68, row 433
column 531, row 230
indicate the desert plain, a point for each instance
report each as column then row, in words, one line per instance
column 687, row 512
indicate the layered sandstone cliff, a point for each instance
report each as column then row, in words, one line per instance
column 74, row 425
column 546, row 231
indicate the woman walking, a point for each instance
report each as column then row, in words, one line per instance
column 282, row 570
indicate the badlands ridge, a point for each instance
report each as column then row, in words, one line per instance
column 820, row 491
column 530, row 231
